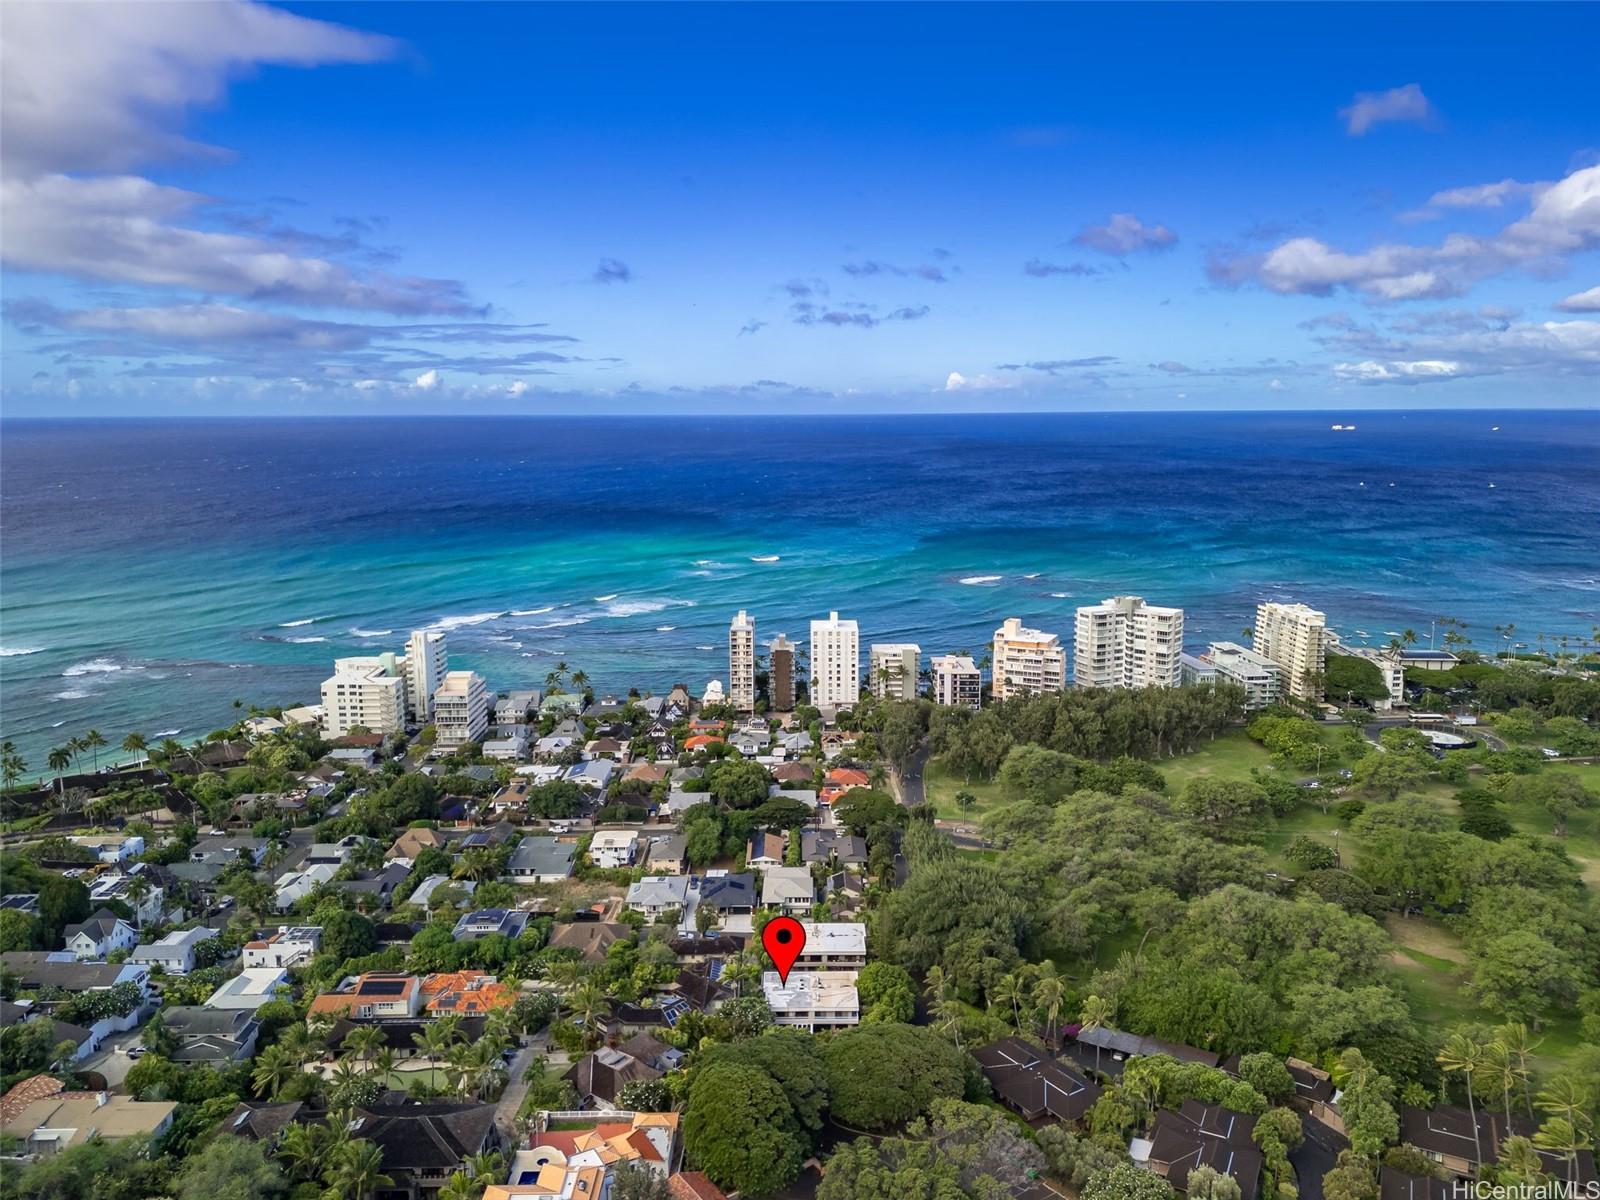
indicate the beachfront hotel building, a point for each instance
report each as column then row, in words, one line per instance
column 366, row 693
column 742, row 662
column 835, row 663
column 957, row 682
column 1295, row 636
column 1027, row 661
column 893, row 668
column 1228, row 662
column 1124, row 642
column 780, row 674
column 460, row 709
column 426, row 661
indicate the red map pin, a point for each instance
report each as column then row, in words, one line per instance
column 784, row 938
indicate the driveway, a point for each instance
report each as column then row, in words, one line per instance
column 505, row 1112
column 112, row 1061
column 1315, row 1156
column 909, row 784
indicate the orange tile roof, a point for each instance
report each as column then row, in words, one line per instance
column 467, row 992
column 692, row 1185
column 702, row 739
column 29, row 1091
column 849, row 777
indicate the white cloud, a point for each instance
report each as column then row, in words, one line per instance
column 101, row 87
column 517, row 388
column 1125, row 234
column 1397, row 104
column 428, row 381
column 1564, row 220
column 1276, row 385
column 1485, row 195
column 957, row 382
column 1396, row 372
column 1588, row 301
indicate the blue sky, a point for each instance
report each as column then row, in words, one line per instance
column 232, row 208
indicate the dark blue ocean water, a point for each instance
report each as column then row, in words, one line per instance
column 153, row 571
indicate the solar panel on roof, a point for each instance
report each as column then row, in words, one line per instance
column 383, row 987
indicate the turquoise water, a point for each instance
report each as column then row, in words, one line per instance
column 154, row 571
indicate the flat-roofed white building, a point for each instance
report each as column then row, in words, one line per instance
column 813, row 1000
column 957, row 682
column 1389, row 666
column 1124, row 642
column 1259, row 676
column 290, row 946
column 613, row 848
column 365, row 693
column 742, row 662
column 427, row 660
column 893, row 669
column 1295, row 636
column 1027, row 661
column 835, row 663
column 460, row 709
column 833, row 945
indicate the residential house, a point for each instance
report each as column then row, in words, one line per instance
column 813, row 1000
column 85, row 1041
column 541, row 860
column 215, row 1037
column 764, row 850
column 424, row 892
column 100, row 936
column 790, row 773
column 703, row 947
column 731, row 896
column 790, row 890
column 143, row 889
column 830, row 847
column 59, row 1120
column 1119, row 1046
column 1394, row 1184
column 613, row 848
column 1032, row 1084
column 1445, row 1134
column 290, row 946
column 590, row 938
column 600, row 1077
column 23, row 902
column 336, row 853
column 593, row 775
column 424, row 1143
column 490, row 837
column 257, row 1121
column 228, row 850
column 465, row 993
column 581, row 1164
column 174, row 952
column 842, row 780
column 668, row 855
column 374, row 996
column 508, row 922
column 657, row 894
column 111, row 847
column 293, row 886
column 249, row 989
column 57, row 973
column 1202, row 1135
column 374, row 890
column 694, row 1185
column 833, row 945
column 511, row 748
column 414, row 841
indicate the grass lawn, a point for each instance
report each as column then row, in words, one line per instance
column 432, row 1076
column 1231, row 756
column 1312, row 822
column 941, row 787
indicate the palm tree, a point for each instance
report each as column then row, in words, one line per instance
column 741, row 970
column 139, row 889
column 1409, row 637
column 1097, row 1013
column 76, row 746
column 1515, row 1038
column 171, row 749
column 383, row 1063
column 345, row 1074
column 1519, row 1156
column 93, row 740
column 1566, row 1138
column 364, row 1042
column 1050, row 994
column 303, row 1149
column 588, row 1001
column 12, row 763
column 579, row 680
column 435, row 1039
column 460, row 1186
column 1564, row 1099
column 1499, row 1068
column 1461, row 1055
column 357, row 1171
column 275, row 1067
column 60, row 759
column 135, row 743
column 1010, row 989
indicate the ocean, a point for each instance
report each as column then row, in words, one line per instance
column 152, row 572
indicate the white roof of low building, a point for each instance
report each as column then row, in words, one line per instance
column 835, row 937
column 251, row 988
column 808, row 991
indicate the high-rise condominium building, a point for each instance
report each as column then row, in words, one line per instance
column 835, row 663
column 460, row 709
column 1124, row 642
column 366, row 693
column 893, row 668
column 1027, row 661
column 956, row 680
column 1295, row 636
column 780, row 674
column 426, row 660
column 742, row 662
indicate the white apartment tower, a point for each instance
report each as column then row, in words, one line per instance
column 835, row 663
column 460, row 709
column 1295, row 636
column 369, row 693
column 742, row 662
column 893, row 669
column 1258, row 675
column 426, row 660
column 1027, row 661
column 957, row 682
column 1124, row 642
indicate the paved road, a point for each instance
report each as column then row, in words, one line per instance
column 909, row 785
column 505, row 1112
column 1315, row 1156
column 1373, row 730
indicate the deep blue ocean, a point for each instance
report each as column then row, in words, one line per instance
column 152, row 571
